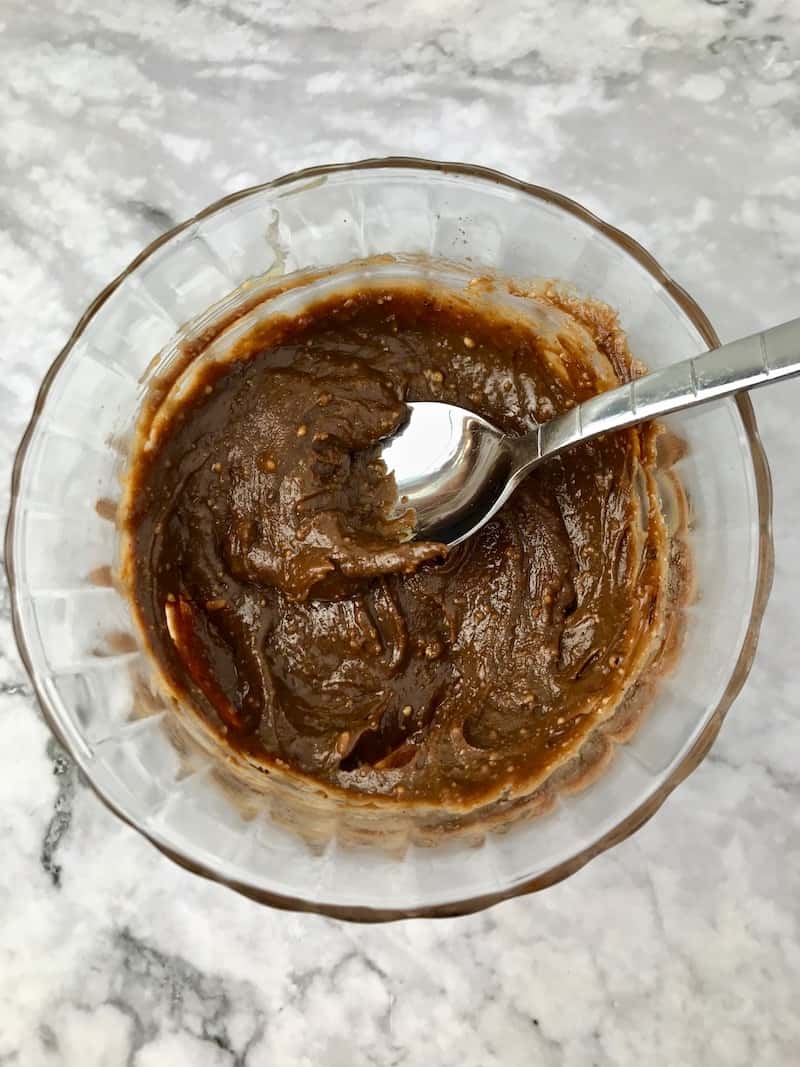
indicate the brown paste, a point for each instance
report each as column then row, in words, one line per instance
column 285, row 603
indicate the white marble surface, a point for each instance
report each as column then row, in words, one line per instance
column 680, row 122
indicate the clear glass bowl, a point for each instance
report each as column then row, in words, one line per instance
column 75, row 630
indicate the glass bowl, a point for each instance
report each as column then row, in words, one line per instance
column 74, row 627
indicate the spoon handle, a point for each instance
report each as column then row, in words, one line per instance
column 752, row 361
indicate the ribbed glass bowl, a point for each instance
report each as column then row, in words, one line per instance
column 75, row 630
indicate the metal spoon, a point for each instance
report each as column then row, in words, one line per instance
column 456, row 470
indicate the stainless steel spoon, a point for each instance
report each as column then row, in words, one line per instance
column 456, row 469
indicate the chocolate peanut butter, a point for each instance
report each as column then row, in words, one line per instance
column 274, row 578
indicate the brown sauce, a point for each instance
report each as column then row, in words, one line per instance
column 283, row 601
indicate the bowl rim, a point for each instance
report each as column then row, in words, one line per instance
column 764, row 566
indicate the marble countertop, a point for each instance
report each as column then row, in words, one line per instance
column 679, row 122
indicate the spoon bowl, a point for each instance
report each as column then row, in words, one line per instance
column 454, row 468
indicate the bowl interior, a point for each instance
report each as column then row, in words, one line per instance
column 75, row 630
